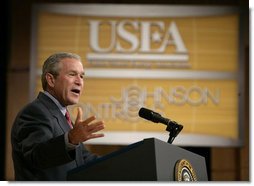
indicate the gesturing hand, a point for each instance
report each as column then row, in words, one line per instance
column 84, row 130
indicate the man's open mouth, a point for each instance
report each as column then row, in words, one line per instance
column 76, row 91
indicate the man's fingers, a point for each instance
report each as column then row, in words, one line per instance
column 95, row 136
column 95, row 127
column 88, row 120
column 85, row 130
column 79, row 115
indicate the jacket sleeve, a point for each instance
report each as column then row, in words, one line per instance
column 42, row 145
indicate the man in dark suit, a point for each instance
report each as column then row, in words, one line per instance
column 44, row 145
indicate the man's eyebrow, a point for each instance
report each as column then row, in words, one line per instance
column 76, row 72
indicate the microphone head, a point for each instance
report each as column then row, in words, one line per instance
column 172, row 127
column 149, row 114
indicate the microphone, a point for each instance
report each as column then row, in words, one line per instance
column 172, row 127
column 153, row 116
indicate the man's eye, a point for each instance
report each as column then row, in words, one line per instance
column 72, row 74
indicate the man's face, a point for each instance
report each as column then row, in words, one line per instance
column 68, row 85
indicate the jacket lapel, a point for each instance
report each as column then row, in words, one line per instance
column 54, row 110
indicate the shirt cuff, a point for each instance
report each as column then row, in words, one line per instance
column 69, row 146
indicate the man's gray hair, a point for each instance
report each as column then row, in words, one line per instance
column 51, row 65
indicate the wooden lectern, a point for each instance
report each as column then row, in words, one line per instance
column 147, row 160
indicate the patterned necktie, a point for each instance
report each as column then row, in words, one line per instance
column 68, row 118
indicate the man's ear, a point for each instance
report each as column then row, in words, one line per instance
column 50, row 79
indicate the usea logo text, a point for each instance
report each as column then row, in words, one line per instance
column 131, row 41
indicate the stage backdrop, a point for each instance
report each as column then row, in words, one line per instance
column 180, row 61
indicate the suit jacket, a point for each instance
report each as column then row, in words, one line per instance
column 38, row 146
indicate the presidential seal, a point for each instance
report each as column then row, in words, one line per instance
column 184, row 171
